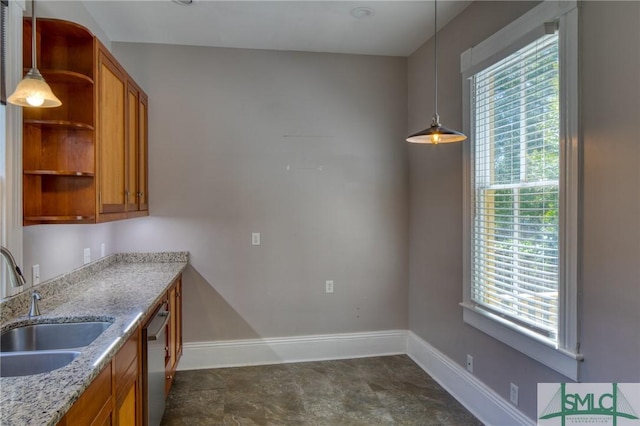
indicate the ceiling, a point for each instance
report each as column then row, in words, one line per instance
column 395, row 28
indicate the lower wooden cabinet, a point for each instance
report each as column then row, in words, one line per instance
column 174, row 333
column 114, row 397
column 127, row 374
column 95, row 405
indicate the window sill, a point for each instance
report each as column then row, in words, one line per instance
column 562, row 361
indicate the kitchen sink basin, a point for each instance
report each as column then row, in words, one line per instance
column 28, row 363
column 46, row 337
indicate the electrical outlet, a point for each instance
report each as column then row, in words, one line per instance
column 513, row 394
column 87, row 255
column 255, row 239
column 103, row 250
column 329, row 286
column 35, row 274
column 469, row 363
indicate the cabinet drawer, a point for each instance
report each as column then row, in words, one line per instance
column 97, row 397
column 125, row 363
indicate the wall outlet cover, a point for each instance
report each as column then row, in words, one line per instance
column 513, row 394
column 35, row 274
column 329, row 286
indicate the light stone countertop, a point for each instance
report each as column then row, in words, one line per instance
column 116, row 288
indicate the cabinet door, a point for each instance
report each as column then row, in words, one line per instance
column 111, row 136
column 127, row 381
column 174, row 332
column 171, row 340
column 128, row 406
column 178, row 322
column 136, row 152
column 143, row 143
column 133, row 135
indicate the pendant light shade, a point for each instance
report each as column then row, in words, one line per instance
column 436, row 133
column 33, row 91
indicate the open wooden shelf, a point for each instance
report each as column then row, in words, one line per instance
column 64, row 76
column 60, row 124
column 58, row 173
column 35, row 220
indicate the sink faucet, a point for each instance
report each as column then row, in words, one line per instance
column 16, row 273
column 34, row 311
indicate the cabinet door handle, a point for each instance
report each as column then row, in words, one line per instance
column 169, row 377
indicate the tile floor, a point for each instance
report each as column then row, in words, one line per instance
column 390, row 390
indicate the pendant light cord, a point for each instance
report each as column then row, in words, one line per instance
column 33, row 34
column 435, row 38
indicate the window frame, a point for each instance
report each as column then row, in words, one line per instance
column 11, row 147
column 563, row 356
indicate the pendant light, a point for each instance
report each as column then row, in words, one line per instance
column 33, row 91
column 436, row 133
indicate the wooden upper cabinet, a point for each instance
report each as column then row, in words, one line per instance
column 143, row 153
column 111, row 136
column 58, row 159
column 136, row 150
column 85, row 161
column 133, row 137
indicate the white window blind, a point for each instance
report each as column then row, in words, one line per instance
column 515, row 208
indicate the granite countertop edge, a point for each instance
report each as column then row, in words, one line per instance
column 121, row 288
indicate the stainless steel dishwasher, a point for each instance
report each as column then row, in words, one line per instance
column 155, row 340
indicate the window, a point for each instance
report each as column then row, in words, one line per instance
column 521, row 194
column 514, row 249
column 11, row 147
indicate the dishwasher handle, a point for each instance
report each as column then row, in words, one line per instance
column 166, row 315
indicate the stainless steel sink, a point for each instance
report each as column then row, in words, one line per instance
column 28, row 363
column 44, row 337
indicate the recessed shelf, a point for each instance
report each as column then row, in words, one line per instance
column 59, row 124
column 58, row 173
column 64, row 76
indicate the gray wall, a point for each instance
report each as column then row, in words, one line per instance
column 60, row 248
column 306, row 149
column 219, row 172
column 611, row 207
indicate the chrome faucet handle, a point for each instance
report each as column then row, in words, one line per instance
column 34, row 311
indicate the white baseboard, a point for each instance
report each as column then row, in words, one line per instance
column 236, row 353
column 477, row 397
